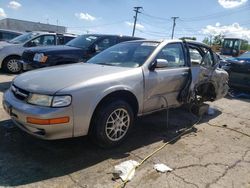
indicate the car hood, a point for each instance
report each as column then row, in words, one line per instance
column 238, row 59
column 50, row 80
column 53, row 49
column 241, row 65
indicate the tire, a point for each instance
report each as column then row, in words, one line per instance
column 109, row 131
column 11, row 65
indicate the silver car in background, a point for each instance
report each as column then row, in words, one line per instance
column 11, row 51
column 102, row 97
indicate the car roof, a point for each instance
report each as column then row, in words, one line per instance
column 189, row 42
column 41, row 32
column 111, row 35
column 53, row 33
column 196, row 43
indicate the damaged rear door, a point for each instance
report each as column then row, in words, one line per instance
column 203, row 65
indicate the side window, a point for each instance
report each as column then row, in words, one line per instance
column 236, row 45
column 207, row 59
column 202, row 57
column 48, row 40
column 6, row 36
column 60, row 40
column 195, row 56
column 44, row 40
column 106, row 43
column 173, row 53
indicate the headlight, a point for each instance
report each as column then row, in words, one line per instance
column 61, row 101
column 41, row 100
column 47, row 100
column 40, row 57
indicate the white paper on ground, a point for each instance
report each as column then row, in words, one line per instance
column 162, row 168
column 123, row 169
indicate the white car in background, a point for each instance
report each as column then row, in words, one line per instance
column 11, row 51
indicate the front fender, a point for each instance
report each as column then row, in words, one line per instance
column 84, row 108
column 108, row 91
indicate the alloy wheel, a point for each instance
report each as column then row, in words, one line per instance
column 13, row 65
column 117, row 124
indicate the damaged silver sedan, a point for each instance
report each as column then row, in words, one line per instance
column 102, row 97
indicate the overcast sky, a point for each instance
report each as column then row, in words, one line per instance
column 198, row 18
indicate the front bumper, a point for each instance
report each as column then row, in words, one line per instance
column 30, row 65
column 20, row 110
column 25, row 65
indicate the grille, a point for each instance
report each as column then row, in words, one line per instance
column 19, row 93
column 28, row 56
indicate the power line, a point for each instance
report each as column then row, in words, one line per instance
column 203, row 17
column 136, row 9
column 153, row 25
column 155, row 17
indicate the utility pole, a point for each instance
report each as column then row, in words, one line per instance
column 136, row 9
column 57, row 25
column 174, row 19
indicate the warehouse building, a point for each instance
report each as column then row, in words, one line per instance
column 25, row 26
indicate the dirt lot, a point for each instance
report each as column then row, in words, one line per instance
column 205, row 157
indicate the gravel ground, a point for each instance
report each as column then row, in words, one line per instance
column 207, row 156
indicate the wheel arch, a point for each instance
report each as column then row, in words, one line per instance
column 8, row 56
column 207, row 90
column 125, row 95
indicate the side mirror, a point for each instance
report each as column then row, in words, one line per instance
column 30, row 44
column 159, row 63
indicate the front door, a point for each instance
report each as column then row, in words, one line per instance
column 163, row 85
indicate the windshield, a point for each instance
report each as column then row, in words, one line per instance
column 23, row 38
column 83, row 41
column 129, row 54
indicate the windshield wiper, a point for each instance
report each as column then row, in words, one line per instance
column 104, row 64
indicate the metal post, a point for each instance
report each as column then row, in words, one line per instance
column 136, row 9
column 174, row 23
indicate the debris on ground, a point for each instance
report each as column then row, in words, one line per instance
column 125, row 170
column 162, row 168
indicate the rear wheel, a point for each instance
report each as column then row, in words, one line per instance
column 112, row 123
column 12, row 65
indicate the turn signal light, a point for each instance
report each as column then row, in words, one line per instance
column 47, row 121
column 44, row 59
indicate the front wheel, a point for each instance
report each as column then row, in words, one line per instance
column 12, row 65
column 112, row 123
